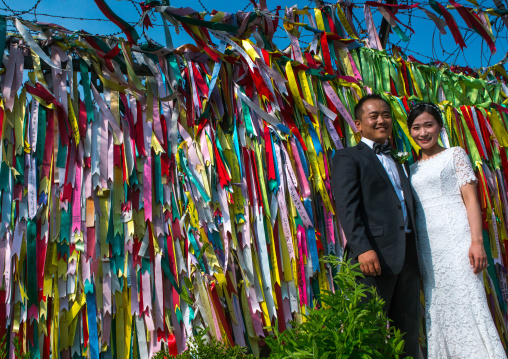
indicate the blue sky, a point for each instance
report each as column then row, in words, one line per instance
column 426, row 44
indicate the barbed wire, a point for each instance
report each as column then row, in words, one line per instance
column 434, row 53
column 208, row 12
column 66, row 17
column 409, row 24
column 249, row 4
column 18, row 13
column 411, row 14
column 441, row 45
column 419, row 54
column 135, row 4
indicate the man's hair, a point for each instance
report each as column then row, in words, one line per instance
column 359, row 105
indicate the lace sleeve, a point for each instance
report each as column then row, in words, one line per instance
column 463, row 168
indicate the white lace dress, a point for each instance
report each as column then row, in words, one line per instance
column 458, row 320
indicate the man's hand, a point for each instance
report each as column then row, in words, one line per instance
column 369, row 263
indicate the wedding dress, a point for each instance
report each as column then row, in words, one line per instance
column 458, row 320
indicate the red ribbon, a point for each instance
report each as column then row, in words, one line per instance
column 138, row 133
column 473, row 22
column 504, row 161
column 452, row 25
column 3, row 313
column 392, row 14
column 484, row 131
column 403, row 69
column 172, row 348
column 48, row 145
column 280, row 310
column 214, row 54
column 82, row 119
column 221, row 169
column 326, row 54
column 40, row 91
column 85, row 326
column 1, row 121
column 258, row 187
column 246, row 159
column 199, row 81
column 500, row 108
column 394, row 6
column 269, row 154
column 469, row 121
column 218, row 308
column 146, row 19
column 129, row 31
column 41, row 249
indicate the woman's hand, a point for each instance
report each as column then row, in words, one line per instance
column 477, row 257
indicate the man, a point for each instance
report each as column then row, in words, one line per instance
column 375, row 207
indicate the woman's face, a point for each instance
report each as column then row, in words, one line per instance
column 425, row 131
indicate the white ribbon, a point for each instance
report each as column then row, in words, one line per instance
column 33, row 45
column 235, row 46
column 375, row 43
column 265, row 115
column 440, row 23
column 109, row 116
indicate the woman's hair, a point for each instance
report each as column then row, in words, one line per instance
column 430, row 108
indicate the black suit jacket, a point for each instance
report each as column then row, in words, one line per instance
column 368, row 207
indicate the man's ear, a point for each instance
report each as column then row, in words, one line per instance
column 358, row 124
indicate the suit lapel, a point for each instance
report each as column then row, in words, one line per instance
column 369, row 155
column 406, row 187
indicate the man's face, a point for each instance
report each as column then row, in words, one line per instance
column 375, row 122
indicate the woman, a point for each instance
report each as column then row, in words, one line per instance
column 450, row 245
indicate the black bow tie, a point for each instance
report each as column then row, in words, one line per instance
column 378, row 148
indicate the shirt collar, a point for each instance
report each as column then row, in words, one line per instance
column 369, row 143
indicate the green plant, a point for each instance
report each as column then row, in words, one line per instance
column 18, row 349
column 349, row 325
column 202, row 348
column 3, row 347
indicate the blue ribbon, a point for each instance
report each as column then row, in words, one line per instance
column 314, row 136
column 92, row 325
column 216, row 70
column 311, row 238
column 301, row 154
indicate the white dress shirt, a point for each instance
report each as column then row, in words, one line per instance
column 393, row 174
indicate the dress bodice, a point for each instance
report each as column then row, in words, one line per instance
column 437, row 181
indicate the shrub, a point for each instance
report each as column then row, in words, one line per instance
column 3, row 347
column 201, row 348
column 347, row 325
column 18, row 349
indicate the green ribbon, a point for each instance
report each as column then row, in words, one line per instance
column 62, row 155
column 158, row 180
column 31, row 270
column 20, row 167
column 198, row 185
column 400, row 33
column 3, row 33
column 85, row 80
column 491, row 269
column 41, row 135
column 65, row 225
column 208, row 24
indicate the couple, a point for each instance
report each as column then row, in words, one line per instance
column 376, row 201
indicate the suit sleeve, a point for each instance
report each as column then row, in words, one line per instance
column 347, row 192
